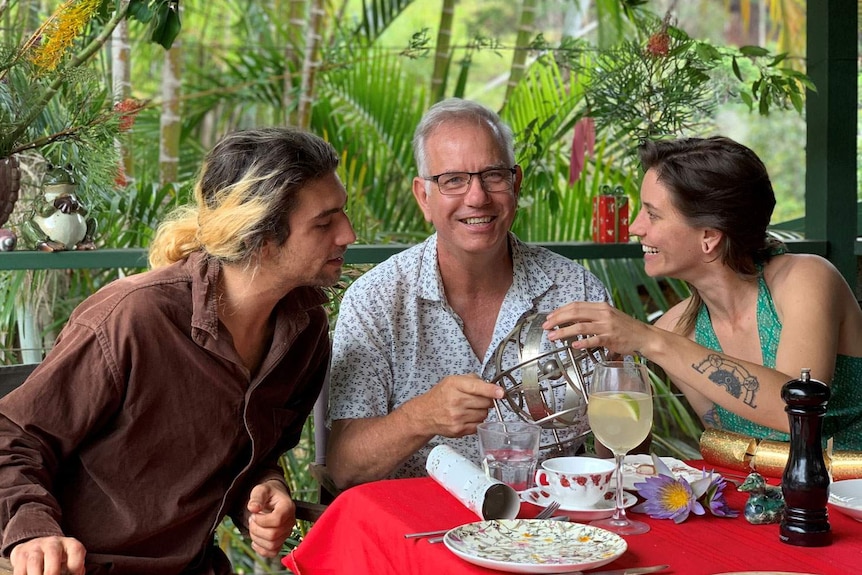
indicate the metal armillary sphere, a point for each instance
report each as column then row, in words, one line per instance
column 548, row 384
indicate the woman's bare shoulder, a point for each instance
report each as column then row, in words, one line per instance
column 798, row 271
column 670, row 318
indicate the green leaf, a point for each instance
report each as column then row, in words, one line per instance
column 736, row 71
column 801, row 77
column 140, row 10
column 753, row 51
column 707, row 52
column 790, row 72
column 796, row 100
column 748, row 100
column 755, row 86
column 808, row 84
column 463, row 74
column 166, row 25
column 777, row 60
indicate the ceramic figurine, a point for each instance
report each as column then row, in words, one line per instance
column 8, row 239
column 765, row 504
column 59, row 220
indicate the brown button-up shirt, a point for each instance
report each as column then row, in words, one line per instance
column 142, row 429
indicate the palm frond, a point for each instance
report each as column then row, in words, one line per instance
column 369, row 109
column 377, row 15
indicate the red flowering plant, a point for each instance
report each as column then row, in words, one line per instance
column 128, row 109
column 664, row 83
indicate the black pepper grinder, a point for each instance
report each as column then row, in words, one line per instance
column 805, row 482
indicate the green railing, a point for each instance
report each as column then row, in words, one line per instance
column 357, row 254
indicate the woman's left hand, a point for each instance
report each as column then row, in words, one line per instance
column 600, row 325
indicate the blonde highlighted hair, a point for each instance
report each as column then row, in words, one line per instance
column 245, row 192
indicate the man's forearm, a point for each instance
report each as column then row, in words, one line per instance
column 363, row 450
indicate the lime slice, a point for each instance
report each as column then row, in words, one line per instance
column 616, row 404
column 633, row 410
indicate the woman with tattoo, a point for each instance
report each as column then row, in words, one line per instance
column 757, row 315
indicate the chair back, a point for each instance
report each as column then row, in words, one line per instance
column 327, row 490
column 11, row 376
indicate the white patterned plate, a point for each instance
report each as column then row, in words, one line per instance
column 636, row 468
column 604, row 508
column 534, row 545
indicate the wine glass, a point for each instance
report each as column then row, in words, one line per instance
column 620, row 415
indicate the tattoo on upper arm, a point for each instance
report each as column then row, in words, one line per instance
column 731, row 375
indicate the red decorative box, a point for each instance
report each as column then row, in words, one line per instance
column 611, row 217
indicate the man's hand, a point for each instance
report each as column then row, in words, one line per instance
column 271, row 516
column 368, row 449
column 459, row 403
column 49, row 556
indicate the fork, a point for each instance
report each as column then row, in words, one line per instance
column 543, row 514
column 548, row 511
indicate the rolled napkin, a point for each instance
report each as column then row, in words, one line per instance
column 488, row 498
column 769, row 458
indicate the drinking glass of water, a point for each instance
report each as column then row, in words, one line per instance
column 620, row 414
column 509, row 451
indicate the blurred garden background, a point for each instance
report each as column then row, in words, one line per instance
column 133, row 93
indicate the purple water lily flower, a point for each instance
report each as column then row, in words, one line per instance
column 715, row 497
column 668, row 498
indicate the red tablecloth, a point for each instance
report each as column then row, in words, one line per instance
column 362, row 532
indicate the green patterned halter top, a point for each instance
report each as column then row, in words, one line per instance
column 843, row 419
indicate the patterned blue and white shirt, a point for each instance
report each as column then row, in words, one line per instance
column 396, row 336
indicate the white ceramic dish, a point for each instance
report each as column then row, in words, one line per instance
column 541, row 497
column 636, row 468
column 846, row 496
column 534, row 546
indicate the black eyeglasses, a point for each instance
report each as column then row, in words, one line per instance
column 492, row 180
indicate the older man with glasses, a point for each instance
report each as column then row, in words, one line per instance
column 414, row 343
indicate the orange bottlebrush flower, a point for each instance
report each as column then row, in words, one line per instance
column 128, row 109
column 120, row 179
column 658, row 44
column 59, row 32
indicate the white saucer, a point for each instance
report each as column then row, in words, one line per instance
column 605, row 508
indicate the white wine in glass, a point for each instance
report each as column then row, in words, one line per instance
column 620, row 415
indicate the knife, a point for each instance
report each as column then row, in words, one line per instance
column 628, row 571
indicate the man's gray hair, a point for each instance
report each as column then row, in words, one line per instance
column 457, row 109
